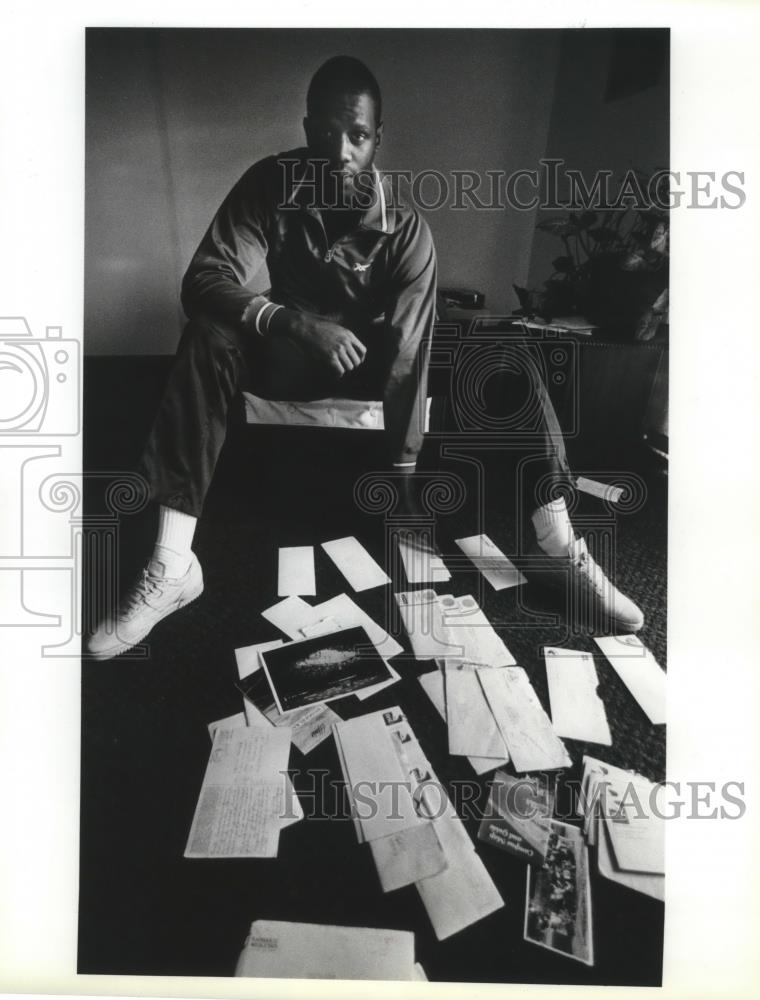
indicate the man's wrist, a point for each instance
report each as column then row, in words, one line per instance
column 263, row 318
column 284, row 322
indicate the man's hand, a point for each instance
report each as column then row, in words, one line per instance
column 337, row 347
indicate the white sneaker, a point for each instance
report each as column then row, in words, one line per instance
column 151, row 598
column 593, row 600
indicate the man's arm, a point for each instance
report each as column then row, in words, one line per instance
column 410, row 313
column 231, row 253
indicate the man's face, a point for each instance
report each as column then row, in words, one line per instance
column 344, row 133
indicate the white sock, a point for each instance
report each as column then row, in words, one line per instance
column 554, row 532
column 175, row 536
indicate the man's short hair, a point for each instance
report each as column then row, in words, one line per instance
column 342, row 75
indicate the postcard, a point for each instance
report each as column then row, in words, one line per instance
column 558, row 897
column 324, row 668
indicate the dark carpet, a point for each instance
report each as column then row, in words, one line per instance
column 143, row 908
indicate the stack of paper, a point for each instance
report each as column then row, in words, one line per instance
column 309, row 726
column 402, row 811
column 619, row 819
column 336, row 649
column 277, row 949
column 290, row 683
column 246, row 797
column 451, row 628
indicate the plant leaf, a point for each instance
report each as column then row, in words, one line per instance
column 557, row 226
column 565, row 265
column 634, row 261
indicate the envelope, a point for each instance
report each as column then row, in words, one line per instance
column 296, row 570
column 432, row 685
column 472, row 729
column 527, row 730
column 491, row 562
column 423, row 621
column 276, row 949
column 421, row 563
column 355, row 563
column 381, row 789
column 577, row 710
column 406, row 857
column 639, row 671
column 471, row 636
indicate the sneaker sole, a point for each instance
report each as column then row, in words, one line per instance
column 122, row 647
column 557, row 581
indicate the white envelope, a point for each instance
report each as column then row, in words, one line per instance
column 602, row 490
column 422, row 565
column 296, row 571
column 248, row 659
column 650, row 885
column 526, row 728
column 460, row 895
column 290, row 615
column 348, row 614
column 421, row 614
column 374, row 770
column 638, row 842
column 577, row 710
column 639, row 671
column 408, row 856
column 470, row 634
column 491, row 562
column 355, row 563
column 471, row 726
column 432, row 685
column 276, row 949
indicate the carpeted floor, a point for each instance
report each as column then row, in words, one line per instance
column 146, row 910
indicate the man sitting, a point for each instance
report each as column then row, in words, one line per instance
column 350, row 313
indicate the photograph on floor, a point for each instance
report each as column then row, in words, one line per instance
column 376, row 453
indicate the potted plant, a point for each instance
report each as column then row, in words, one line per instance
column 614, row 270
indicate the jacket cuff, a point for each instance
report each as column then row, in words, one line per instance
column 252, row 311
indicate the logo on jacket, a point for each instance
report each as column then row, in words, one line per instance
column 361, row 267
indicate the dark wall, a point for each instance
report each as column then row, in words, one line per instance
column 175, row 116
column 611, row 112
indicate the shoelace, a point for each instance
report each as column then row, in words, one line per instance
column 593, row 572
column 146, row 587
